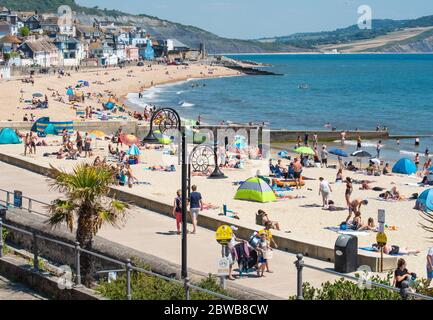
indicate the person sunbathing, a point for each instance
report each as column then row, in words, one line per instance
column 393, row 194
column 365, row 185
column 387, row 170
column 266, row 220
column 395, row 250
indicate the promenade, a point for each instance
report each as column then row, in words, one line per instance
column 13, row 291
column 152, row 233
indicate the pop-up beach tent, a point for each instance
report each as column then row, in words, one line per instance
column 404, row 166
column 425, row 201
column 40, row 121
column 255, row 189
column 50, row 129
column 9, row 136
column 162, row 138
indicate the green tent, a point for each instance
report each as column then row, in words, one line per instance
column 255, row 189
column 9, row 136
column 50, row 129
column 162, row 138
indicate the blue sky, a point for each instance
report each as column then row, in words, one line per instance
column 249, row 19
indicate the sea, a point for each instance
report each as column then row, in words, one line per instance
column 348, row 91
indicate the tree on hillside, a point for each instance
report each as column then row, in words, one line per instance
column 25, row 31
column 87, row 205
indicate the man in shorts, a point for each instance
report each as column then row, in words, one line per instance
column 196, row 205
column 297, row 167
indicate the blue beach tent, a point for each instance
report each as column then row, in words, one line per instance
column 9, row 136
column 50, row 129
column 134, row 151
column 404, row 166
column 425, row 201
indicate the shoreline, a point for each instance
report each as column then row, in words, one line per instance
column 125, row 100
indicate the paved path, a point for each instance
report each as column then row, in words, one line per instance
column 13, row 291
column 152, row 233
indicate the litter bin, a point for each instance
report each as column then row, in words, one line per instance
column 346, row 254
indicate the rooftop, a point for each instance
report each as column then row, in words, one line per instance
column 10, row 39
column 40, row 45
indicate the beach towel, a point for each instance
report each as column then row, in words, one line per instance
column 371, row 249
column 348, row 232
column 210, row 206
column 282, row 189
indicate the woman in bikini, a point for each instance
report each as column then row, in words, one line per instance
column 349, row 190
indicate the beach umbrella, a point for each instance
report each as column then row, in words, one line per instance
column 305, row 150
column 376, row 161
column 97, row 134
column 38, row 95
column 129, row 139
column 255, row 189
column 133, row 151
column 338, row 152
column 404, row 166
column 361, row 154
column 425, row 201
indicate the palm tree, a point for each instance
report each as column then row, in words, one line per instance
column 86, row 204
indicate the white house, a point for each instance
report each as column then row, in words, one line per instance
column 41, row 52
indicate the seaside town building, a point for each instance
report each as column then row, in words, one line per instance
column 45, row 40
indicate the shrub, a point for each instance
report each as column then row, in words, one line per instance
column 146, row 287
column 348, row 290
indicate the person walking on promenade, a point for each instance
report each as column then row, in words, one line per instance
column 177, row 210
column 196, row 205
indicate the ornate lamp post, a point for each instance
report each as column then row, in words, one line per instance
column 168, row 119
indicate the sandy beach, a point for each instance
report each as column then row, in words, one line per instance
column 303, row 217
column 127, row 80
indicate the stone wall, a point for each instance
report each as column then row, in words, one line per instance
column 62, row 255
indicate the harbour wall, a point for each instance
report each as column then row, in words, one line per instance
column 141, row 129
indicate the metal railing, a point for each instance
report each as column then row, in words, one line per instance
column 405, row 291
column 28, row 204
column 127, row 266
